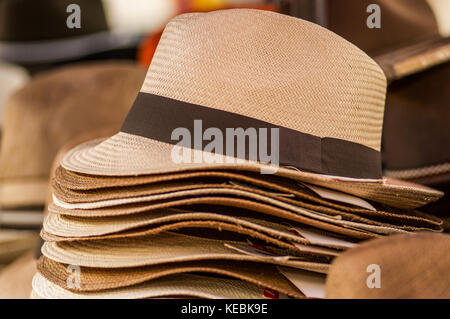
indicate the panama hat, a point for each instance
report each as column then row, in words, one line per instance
column 178, row 286
column 247, row 198
column 32, row 32
column 214, row 183
column 338, row 132
column 49, row 111
column 15, row 279
column 409, row 266
column 168, row 248
column 95, row 279
column 227, row 214
column 78, row 188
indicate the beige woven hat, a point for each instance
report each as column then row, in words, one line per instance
column 52, row 109
column 167, row 248
column 182, row 285
column 325, row 95
column 409, row 266
column 96, row 279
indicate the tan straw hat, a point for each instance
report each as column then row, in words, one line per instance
column 400, row 266
column 96, row 279
column 166, row 248
column 52, row 109
column 258, row 70
column 182, row 285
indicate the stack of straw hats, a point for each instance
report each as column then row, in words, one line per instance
column 129, row 219
column 41, row 117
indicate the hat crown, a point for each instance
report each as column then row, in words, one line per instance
column 274, row 68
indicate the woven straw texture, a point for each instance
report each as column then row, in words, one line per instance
column 202, row 224
column 139, row 155
column 83, row 186
column 268, row 66
column 67, row 226
column 182, row 285
column 159, row 249
column 94, row 279
column 251, row 196
column 283, row 191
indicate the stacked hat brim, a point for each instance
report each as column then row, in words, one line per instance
column 131, row 223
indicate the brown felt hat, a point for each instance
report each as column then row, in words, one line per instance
column 52, row 109
column 337, row 125
column 409, row 266
column 413, row 49
column 38, row 31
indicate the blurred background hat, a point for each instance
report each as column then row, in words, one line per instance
column 52, row 109
column 12, row 77
column 412, row 46
column 40, row 34
column 409, row 266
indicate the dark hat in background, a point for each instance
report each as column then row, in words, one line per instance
column 413, row 49
column 38, row 32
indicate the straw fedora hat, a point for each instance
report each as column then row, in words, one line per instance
column 176, row 286
column 330, row 115
column 97, row 279
column 52, row 109
column 409, row 266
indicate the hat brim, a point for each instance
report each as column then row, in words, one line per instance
column 161, row 249
column 65, row 49
column 181, row 285
column 413, row 59
column 23, row 193
column 95, row 279
column 127, row 155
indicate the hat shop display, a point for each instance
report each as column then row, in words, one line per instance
column 138, row 223
column 44, row 115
